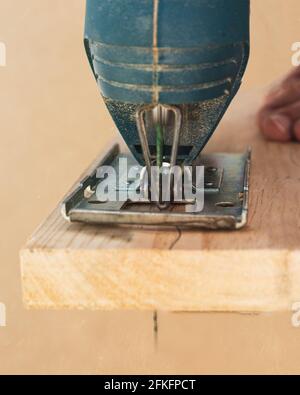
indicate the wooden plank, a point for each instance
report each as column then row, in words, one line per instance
column 252, row 270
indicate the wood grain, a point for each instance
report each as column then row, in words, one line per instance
column 256, row 269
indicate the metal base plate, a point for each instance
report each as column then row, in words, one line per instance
column 225, row 198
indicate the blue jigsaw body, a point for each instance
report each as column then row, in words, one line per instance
column 190, row 54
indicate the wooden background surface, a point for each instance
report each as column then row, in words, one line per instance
column 53, row 124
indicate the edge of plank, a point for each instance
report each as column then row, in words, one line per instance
column 231, row 281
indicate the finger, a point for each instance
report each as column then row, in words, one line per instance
column 275, row 126
column 291, row 111
column 285, row 94
column 295, row 73
column 296, row 130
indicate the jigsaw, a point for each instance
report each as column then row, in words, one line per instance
column 167, row 71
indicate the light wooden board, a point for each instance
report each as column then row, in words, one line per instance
column 256, row 269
